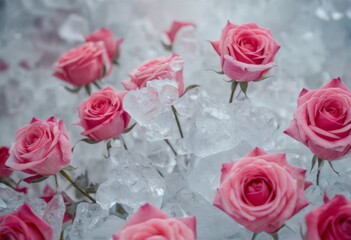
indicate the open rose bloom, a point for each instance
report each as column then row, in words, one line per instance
column 102, row 115
column 322, row 120
column 42, row 147
column 157, row 69
column 247, row 51
column 106, row 36
column 24, row 224
column 4, row 155
column 84, row 64
column 151, row 223
column 330, row 221
column 261, row 191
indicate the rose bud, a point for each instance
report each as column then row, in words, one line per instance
column 261, row 191
column 246, row 51
column 84, row 64
column 111, row 44
column 170, row 35
column 41, row 147
column 151, row 223
column 160, row 68
column 24, row 224
column 102, row 115
column 4, row 155
column 322, row 120
column 331, row 220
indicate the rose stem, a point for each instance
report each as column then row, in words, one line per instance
column 174, row 110
column 63, row 173
column 124, row 143
column 318, row 174
column 172, row 148
column 275, row 236
column 234, row 85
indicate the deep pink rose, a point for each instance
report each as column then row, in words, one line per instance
column 83, row 64
column 102, row 115
column 172, row 32
column 247, row 51
column 4, row 155
column 160, row 68
column 24, row 224
column 151, row 223
column 322, row 120
column 42, row 147
column 332, row 221
column 106, row 36
column 261, row 191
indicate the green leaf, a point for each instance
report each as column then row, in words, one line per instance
column 73, row 90
column 320, row 164
column 103, row 72
column 89, row 140
column 96, row 85
column 87, row 89
column 127, row 130
column 314, row 160
column 243, row 87
column 218, row 72
column 69, row 168
column 167, row 47
column 254, row 235
column 190, row 87
column 331, row 165
column 39, row 180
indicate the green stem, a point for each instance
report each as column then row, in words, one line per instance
column 234, row 85
column 171, row 147
column 63, row 173
column 174, row 110
column 275, row 236
column 318, row 175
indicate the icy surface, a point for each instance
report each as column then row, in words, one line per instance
column 181, row 177
column 151, row 108
column 133, row 181
column 92, row 222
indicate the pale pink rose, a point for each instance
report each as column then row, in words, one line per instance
column 106, row 36
column 4, row 155
column 102, row 115
column 322, row 120
column 261, row 191
column 41, row 147
column 160, row 68
column 172, row 32
column 83, row 64
column 247, row 51
column 151, row 223
column 331, row 221
column 24, row 224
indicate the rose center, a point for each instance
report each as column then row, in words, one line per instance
column 257, row 192
column 333, row 109
column 345, row 226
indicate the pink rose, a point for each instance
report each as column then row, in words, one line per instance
column 332, row 221
column 261, row 191
column 102, row 115
column 161, row 68
column 247, row 51
column 111, row 44
column 322, row 120
column 151, row 223
column 41, row 147
column 24, row 224
column 4, row 155
column 175, row 27
column 83, row 64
